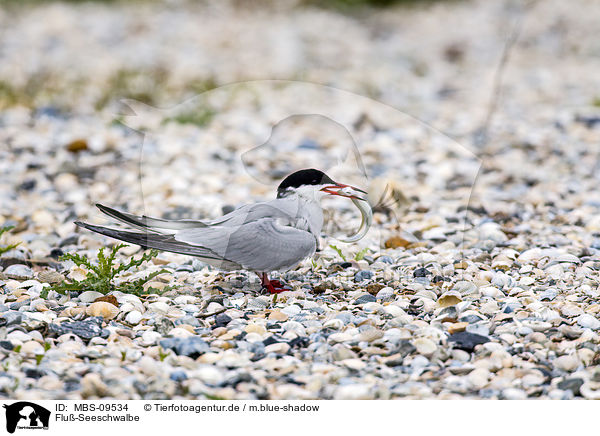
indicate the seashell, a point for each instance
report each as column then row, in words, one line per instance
column 353, row 364
column 278, row 315
column 526, row 281
column 588, row 321
column 501, row 262
column 77, row 273
column 464, row 288
column 394, row 310
column 258, row 303
column 159, row 307
column 18, row 272
column 179, row 332
column 339, row 337
column 570, row 310
column 89, row 296
column 103, row 309
column 335, row 323
column 449, row 298
column 255, row 328
column 537, row 326
column 294, row 326
column 72, row 312
column 531, row 255
column 50, row 276
column 590, row 390
column 372, row 307
column 370, row 335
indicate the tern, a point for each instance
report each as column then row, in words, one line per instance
column 262, row 237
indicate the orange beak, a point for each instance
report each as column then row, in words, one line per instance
column 344, row 191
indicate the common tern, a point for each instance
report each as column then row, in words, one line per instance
column 263, row 237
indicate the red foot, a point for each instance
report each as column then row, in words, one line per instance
column 273, row 286
column 274, row 289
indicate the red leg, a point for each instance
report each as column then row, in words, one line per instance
column 273, row 286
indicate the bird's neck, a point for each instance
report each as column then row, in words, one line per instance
column 310, row 215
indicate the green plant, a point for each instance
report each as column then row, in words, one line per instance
column 339, row 252
column 163, row 354
column 6, row 247
column 361, row 254
column 199, row 117
column 100, row 277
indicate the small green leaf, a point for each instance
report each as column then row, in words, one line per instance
column 361, row 254
column 162, row 354
column 339, row 252
column 6, row 248
column 101, row 276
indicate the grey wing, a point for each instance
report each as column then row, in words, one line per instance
column 281, row 209
column 148, row 223
column 278, row 208
column 261, row 245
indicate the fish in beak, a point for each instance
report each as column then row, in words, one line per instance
column 359, row 198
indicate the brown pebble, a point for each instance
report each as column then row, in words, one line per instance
column 109, row 299
column 77, row 145
column 374, row 288
column 396, row 242
column 125, row 332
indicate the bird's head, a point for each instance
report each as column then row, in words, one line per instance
column 316, row 184
column 313, row 184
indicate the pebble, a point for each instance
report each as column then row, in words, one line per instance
column 425, row 346
column 88, row 329
column 364, row 299
column 133, row 317
column 363, row 276
column 353, row 392
column 385, row 294
column 89, row 296
column 278, row 315
column 192, row 346
column 18, row 272
column 566, row 363
column 467, row 341
column 588, row 321
column 103, row 309
column 278, row 348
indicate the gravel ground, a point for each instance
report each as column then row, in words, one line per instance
column 478, row 279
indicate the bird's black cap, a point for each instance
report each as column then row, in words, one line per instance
column 303, row 177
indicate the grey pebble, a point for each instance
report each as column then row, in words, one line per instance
column 88, row 329
column 363, row 275
column 10, row 318
column 192, row 347
column 366, row 298
column 19, row 272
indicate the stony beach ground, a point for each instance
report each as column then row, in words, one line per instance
column 478, row 279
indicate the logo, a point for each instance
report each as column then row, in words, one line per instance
column 26, row 415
